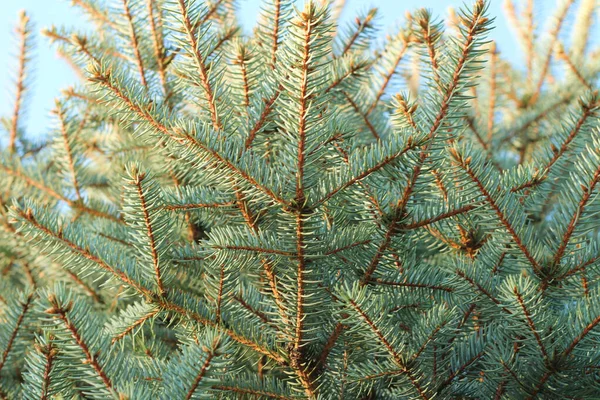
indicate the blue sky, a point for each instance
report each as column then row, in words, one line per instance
column 51, row 74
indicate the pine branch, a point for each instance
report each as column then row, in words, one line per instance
column 262, row 119
column 587, row 194
column 475, row 26
column 363, row 115
column 492, row 95
column 95, row 13
column 275, row 34
column 441, row 217
column 555, row 31
column 460, row 370
column 60, row 312
column 361, row 26
column 138, row 178
column 412, row 285
column 24, row 36
column 589, row 109
column 92, row 293
column 388, row 76
column 387, row 345
column 50, row 192
column 58, row 236
column 49, row 353
column 530, row 322
column 481, row 289
column 59, row 111
column 158, row 45
column 410, row 144
column 307, row 25
column 572, row 67
column 211, row 353
column 135, row 43
column 581, row 336
column 25, row 307
column 502, row 217
column 252, row 392
column 190, row 30
column 178, row 136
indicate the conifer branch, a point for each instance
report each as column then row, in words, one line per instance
column 77, row 41
column 50, row 352
column 562, row 54
column 65, row 136
column 460, row 370
column 548, row 57
column 587, row 194
column 581, row 336
column 197, row 206
column 481, row 289
column 306, row 246
column 24, row 38
column 354, row 69
column 262, row 119
column 362, row 24
column 441, row 217
column 430, row 36
column 502, row 217
column 50, row 192
column 219, row 299
column 331, row 341
column 58, row 236
column 388, row 76
column 139, row 322
column 275, row 34
column 253, row 311
column 96, row 14
column 530, row 322
column 181, row 137
column 214, row 7
column 266, row 264
column 429, row 339
column 210, row 354
column 242, row 60
column 386, row 161
column 158, row 46
column 307, row 24
column 226, row 37
column 411, row 285
column 148, row 294
column 137, row 181
column 579, row 268
column 200, row 63
column 252, row 392
column 25, row 307
column 516, row 133
column 473, row 128
column 258, row 250
column 92, row 293
column 474, row 28
column 395, row 355
column 135, row 43
column 60, row 312
column 589, row 110
column 363, row 115
column 492, row 95
column 525, row 31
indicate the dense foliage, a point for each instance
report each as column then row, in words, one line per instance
column 304, row 212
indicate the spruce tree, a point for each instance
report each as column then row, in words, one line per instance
column 304, row 212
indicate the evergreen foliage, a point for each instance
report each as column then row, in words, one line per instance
column 304, row 213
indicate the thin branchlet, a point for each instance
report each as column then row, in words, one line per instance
column 23, row 33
